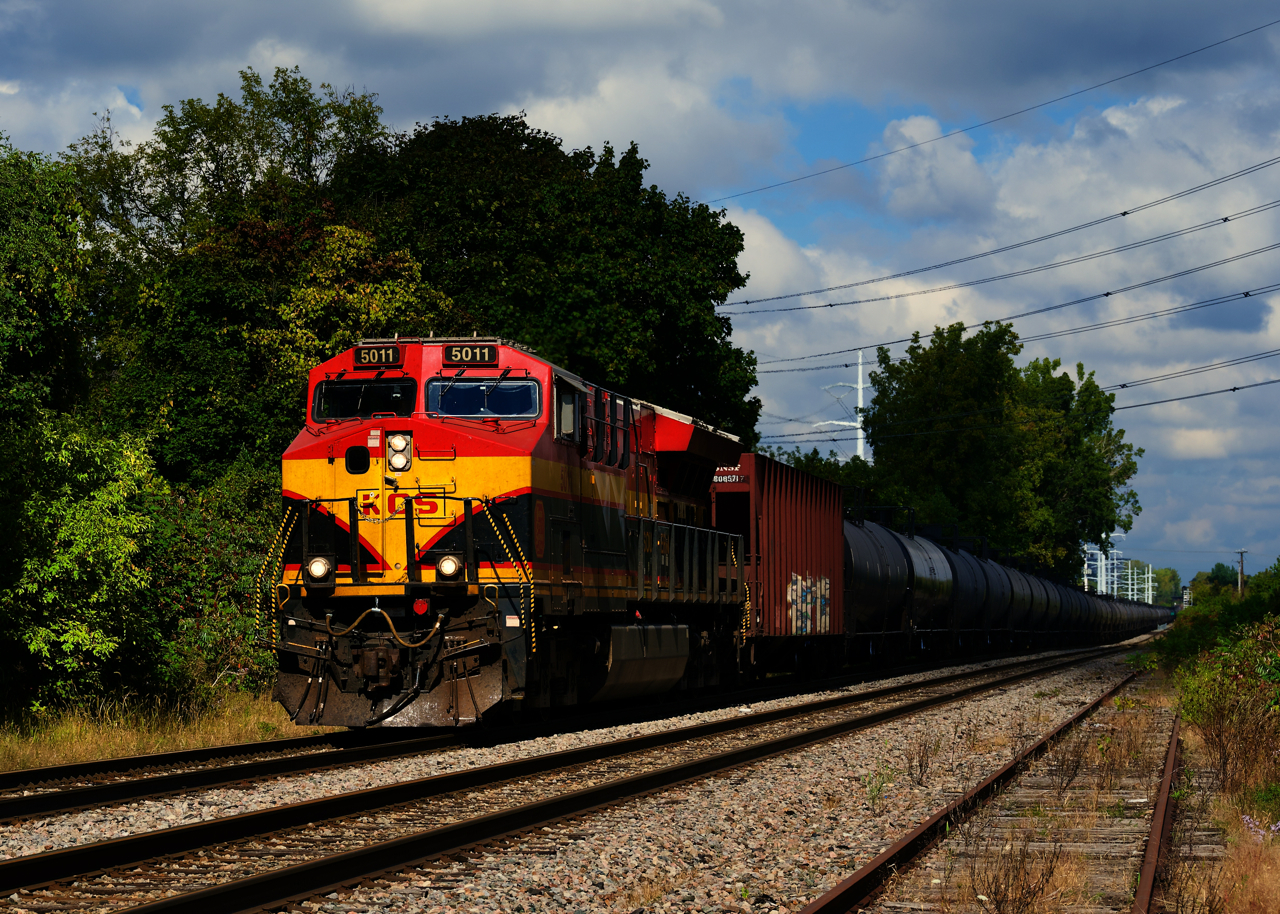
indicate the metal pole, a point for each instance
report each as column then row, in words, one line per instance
column 1240, row 581
column 861, row 434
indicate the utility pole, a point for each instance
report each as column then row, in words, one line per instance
column 1240, row 583
column 861, row 435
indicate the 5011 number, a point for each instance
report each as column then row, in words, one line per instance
column 471, row 355
column 377, row 356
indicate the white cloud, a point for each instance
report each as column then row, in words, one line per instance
column 471, row 18
column 9, row 87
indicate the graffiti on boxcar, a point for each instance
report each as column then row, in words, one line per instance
column 809, row 604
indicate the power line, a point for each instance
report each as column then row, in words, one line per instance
column 1173, row 375
column 1040, row 268
column 994, row 120
column 1150, row 315
column 1199, row 369
column 1019, row 244
column 1208, row 393
column 1013, row 317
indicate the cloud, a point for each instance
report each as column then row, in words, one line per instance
column 474, row 18
column 939, row 181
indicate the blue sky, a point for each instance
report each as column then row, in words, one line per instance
column 726, row 96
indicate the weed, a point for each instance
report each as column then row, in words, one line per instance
column 1068, row 760
column 1008, row 876
column 920, row 754
column 874, row 783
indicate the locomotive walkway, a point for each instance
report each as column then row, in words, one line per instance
column 290, row 856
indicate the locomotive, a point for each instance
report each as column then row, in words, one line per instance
column 472, row 533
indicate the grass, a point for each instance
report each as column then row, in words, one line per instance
column 111, row 729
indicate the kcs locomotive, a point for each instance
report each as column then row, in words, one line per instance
column 471, row 532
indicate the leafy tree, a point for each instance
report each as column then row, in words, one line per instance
column 1028, row 457
column 1168, row 586
column 75, row 624
column 568, row 252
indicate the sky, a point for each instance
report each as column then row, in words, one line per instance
column 724, row 98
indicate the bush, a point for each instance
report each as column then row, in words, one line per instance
column 1231, row 694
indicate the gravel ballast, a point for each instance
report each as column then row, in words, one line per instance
column 769, row 837
column 85, row 827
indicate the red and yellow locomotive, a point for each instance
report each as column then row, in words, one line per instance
column 472, row 530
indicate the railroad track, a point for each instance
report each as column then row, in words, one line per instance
column 309, row 848
column 1113, row 847
column 64, row 789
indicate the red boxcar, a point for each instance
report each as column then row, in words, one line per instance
column 793, row 525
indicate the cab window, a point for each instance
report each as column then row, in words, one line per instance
column 364, row 399
column 484, row 398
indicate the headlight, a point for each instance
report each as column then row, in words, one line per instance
column 448, row 566
column 318, row 568
column 399, row 461
column 398, row 442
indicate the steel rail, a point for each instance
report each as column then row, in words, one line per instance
column 38, row 870
column 1161, row 828
column 19, row 779
column 293, row 884
column 393, row 745
column 74, row 799
column 858, row 890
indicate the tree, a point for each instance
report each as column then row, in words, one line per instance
column 1168, row 586
column 1027, row 457
column 567, row 252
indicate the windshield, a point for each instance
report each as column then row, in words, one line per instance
column 363, row 399
column 483, row 398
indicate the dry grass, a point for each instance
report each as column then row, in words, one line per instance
column 114, row 729
column 1253, row 870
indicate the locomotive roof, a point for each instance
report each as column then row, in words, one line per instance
column 564, row 372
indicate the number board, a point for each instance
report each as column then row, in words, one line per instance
column 376, row 356
column 469, row 354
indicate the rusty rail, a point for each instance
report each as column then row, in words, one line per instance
column 1161, row 827
column 862, row 886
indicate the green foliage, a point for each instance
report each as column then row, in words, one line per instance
column 1168, row 586
column 1231, row 694
column 162, row 302
column 567, row 252
column 75, row 623
column 1215, row 617
column 1028, row 457
column 203, row 553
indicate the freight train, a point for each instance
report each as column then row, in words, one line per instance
column 472, row 533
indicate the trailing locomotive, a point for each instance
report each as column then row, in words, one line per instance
column 471, row 532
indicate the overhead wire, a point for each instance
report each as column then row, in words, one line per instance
column 1168, row 376
column 1016, row 245
column 995, row 120
column 822, row 439
column 1077, row 301
column 1199, row 369
column 1039, row 268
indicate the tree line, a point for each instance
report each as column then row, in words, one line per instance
column 161, row 303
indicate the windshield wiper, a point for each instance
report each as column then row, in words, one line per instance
column 461, row 372
column 494, row 386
